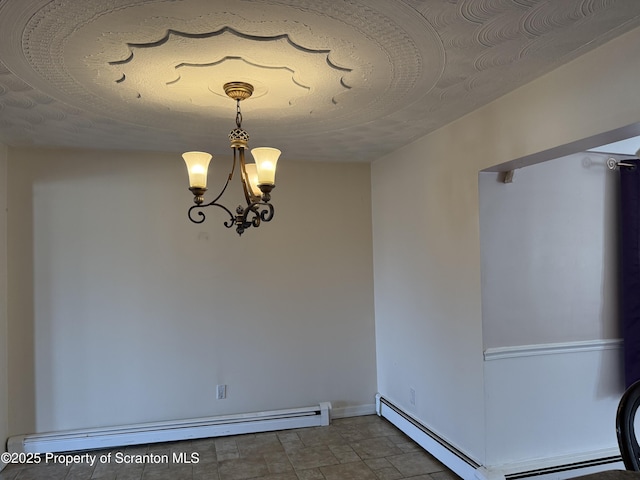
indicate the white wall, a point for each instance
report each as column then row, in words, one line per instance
column 133, row 313
column 549, row 253
column 427, row 241
column 427, row 291
column 3, row 300
column 554, row 406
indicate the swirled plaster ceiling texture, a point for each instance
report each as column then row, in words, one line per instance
column 335, row 79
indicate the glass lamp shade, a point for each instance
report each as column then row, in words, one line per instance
column 266, row 160
column 197, row 166
column 252, row 179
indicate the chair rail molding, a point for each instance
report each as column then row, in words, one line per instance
column 498, row 353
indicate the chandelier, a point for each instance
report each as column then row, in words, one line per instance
column 258, row 179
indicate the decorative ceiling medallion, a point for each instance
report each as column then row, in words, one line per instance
column 183, row 69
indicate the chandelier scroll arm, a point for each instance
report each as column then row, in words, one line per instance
column 267, row 214
column 201, row 217
column 264, row 214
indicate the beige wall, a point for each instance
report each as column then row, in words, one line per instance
column 427, row 244
column 3, row 298
column 122, row 311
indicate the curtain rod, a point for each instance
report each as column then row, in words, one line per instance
column 612, row 163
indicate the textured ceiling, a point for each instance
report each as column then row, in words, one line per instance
column 334, row 79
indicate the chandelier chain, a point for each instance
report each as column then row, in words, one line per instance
column 238, row 114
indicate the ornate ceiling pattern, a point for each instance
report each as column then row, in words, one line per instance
column 334, row 79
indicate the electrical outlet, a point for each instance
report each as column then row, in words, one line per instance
column 412, row 396
column 221, row 392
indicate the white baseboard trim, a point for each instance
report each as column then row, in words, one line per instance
column 563, row 467
column 499, row 353
column 354, row 411
column 95, row 438
column 553, row 468
column 455, row 460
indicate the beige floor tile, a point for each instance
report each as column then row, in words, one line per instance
column 348, row 471
column 279, row 476
column 350, row 448
column 344, row 453
column 389, row 474
column 310, row 474
column 411, row 464
column 252, row 445
column 312, row 457
column 375, row 447
column 242, row 468
column 287, row 436
column 321, row 436
column 377, row 463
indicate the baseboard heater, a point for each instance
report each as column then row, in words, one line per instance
column 469, row 469
column 450, row 456
column 109, row 437
column 571, row 470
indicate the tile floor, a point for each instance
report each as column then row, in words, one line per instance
column 354, row 448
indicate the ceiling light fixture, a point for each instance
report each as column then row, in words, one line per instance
column 258, row 179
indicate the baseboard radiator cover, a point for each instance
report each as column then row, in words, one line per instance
column 569, row 470
column 558, row 468
column 446, row 453
column 109, row 437
column 555, row 468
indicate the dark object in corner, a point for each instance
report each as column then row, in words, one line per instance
column 625, row 430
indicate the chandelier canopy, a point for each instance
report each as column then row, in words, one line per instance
column 258, row 179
